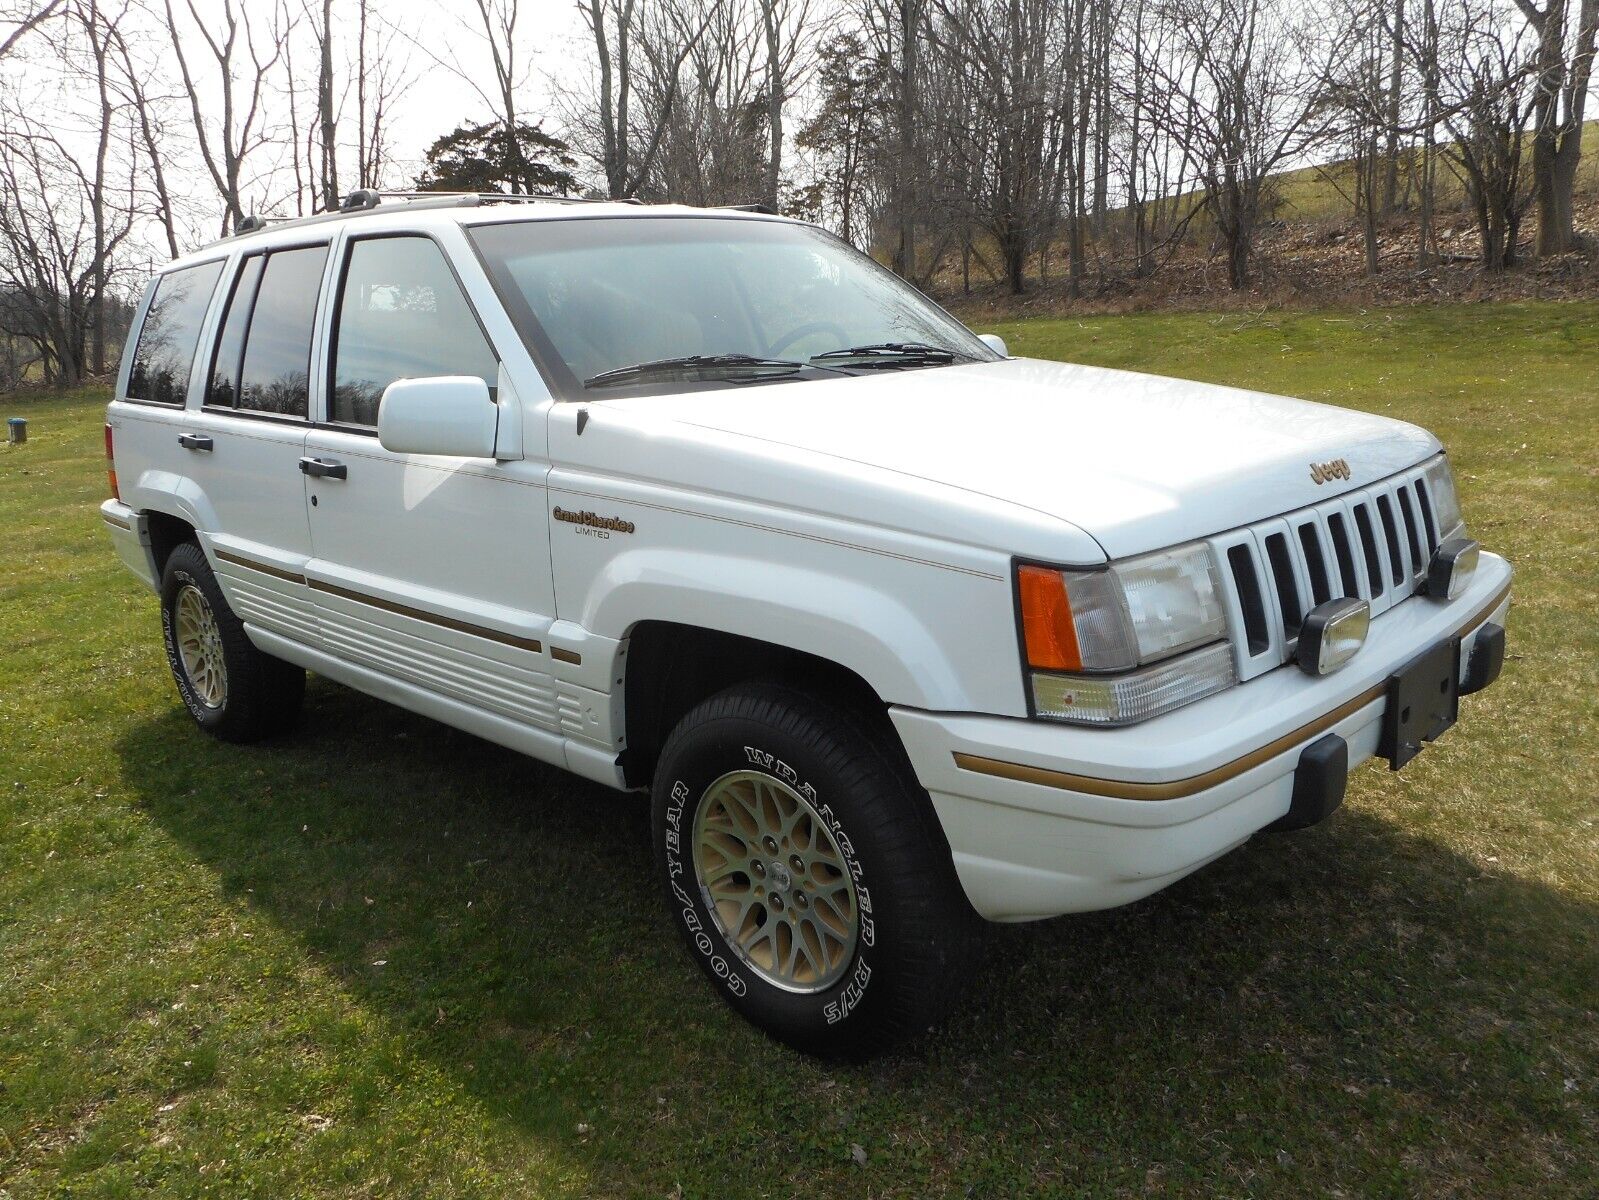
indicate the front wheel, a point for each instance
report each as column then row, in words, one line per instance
column 807, row 872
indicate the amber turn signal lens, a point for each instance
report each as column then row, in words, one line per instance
column 1047, row 627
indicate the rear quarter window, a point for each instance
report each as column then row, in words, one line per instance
column 164, row 353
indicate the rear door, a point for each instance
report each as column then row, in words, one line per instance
column 431, row 569
column 147, row 411
column 245, row 442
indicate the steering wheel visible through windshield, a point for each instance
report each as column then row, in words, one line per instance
column 655, row 303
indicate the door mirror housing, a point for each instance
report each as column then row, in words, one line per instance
column 995, row 343
column 447, row 414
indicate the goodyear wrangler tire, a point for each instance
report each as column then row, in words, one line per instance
column 807, row 872
column 232, row 690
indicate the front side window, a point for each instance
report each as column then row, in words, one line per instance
column 164, row 354
column 401, row 316
column 598, row 295
column 275, row 372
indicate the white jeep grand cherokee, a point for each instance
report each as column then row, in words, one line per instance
column 897, row 631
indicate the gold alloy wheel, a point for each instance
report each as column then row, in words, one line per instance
column 775, row 882
column 200, row 647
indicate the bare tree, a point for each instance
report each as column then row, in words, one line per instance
column 1564, row 66
column 65, row 211
column 244, row 54
column 639, row 52
column 1246, row 103
column 26, row 20
column 1488, row 104
column 784, row 25
column 143, row 107
column 327, row 112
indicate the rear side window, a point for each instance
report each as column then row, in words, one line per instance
column 275, row 370
column 401, row 316
column 164, row 354
column 222, row 387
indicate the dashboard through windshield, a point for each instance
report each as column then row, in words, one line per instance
column 639, row 304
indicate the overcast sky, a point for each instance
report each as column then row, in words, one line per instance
column 443, row 49
column 551, row 37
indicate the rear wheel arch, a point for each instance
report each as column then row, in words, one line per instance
column 167, row 533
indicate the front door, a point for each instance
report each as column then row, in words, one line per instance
column 434, row 570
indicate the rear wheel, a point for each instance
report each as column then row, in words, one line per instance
column 807, row 872
column 232, row 690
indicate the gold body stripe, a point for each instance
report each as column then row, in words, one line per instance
column 1122, row 789
column 404, row 610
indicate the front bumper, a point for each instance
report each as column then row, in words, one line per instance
column 1045, row 819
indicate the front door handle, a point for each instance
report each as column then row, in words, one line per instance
column 195, row 441
column 324, row 468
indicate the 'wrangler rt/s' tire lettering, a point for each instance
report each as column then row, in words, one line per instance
column 806, row 872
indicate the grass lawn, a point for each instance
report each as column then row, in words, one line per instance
column 384, row 958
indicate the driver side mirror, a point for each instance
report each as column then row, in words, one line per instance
column 995, row 343
column 446, row 414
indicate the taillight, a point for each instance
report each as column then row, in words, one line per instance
column 111, row 464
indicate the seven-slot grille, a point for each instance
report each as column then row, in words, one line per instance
column 1373, row 543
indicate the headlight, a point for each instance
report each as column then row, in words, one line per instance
column 1080, row 628
column 1445, row 502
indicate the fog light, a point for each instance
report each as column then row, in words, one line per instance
column 1331, row 635
column 1452, row 566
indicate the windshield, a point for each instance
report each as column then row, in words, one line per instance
column 593, row 296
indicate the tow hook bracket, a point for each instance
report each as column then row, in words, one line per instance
column 1319, row 783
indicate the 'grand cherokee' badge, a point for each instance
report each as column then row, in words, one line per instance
column 1322, row 472
column 587, row 521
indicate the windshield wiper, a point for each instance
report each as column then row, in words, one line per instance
column 692, row 367
column 890, row 354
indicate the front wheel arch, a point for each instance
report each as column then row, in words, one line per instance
column 669, row 667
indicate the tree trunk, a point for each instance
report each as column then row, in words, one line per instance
column 324, row 90
column 1557, row 118
column 1396, row 81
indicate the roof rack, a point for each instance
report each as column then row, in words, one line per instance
column 366, row 200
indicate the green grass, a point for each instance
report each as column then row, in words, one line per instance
column 1399, row 1002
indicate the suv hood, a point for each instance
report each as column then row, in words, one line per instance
column 1138, row 461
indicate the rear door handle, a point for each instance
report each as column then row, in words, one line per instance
column 324, row 468
column 195, row 441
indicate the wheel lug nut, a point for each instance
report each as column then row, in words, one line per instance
column 799, row 899
column 760, row 869
column 797, row 863
column 771, row 845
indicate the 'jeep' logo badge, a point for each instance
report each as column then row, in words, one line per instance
column 1322, row 472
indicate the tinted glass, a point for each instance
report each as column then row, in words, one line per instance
column 165, row 351
column 608, row 293
column 401, row 316
column 222, row 388
column 277, row 352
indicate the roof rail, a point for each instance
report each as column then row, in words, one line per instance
column 364, row 198
column 367, row 200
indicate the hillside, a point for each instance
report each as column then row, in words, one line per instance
column 1311, row 253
